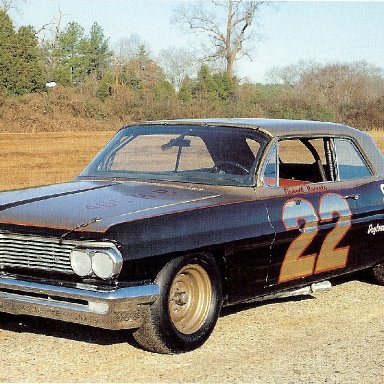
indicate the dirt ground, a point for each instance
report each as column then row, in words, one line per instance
column 329, row 337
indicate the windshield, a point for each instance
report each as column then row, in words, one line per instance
column 195, row 154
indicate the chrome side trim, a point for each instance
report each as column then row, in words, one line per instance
column 306, row 290
column 121, row 308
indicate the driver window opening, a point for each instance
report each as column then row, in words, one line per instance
column 303, row 160
column 300, row 161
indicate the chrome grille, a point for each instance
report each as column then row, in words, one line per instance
column 38, row 253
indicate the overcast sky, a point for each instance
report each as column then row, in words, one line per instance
column 292, row 31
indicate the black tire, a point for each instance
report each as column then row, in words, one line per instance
column 378, row 273
column 184, row 315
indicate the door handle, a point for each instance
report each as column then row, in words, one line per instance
column 352, row 197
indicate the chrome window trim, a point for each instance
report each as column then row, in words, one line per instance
column 272, row 147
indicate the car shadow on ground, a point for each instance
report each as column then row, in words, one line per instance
column 64, row 330
column 92, row 335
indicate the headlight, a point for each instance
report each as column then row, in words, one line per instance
column 105, row 262
column 81, row 262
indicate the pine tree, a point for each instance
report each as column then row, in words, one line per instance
column 27, row 64
column 20, row 70
column 185, row 92
column 7, row 47
column 70, row 68
column 96, row 52
column 79, row 55
column 205, row 87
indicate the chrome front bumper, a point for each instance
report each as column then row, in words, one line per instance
column 121, row 308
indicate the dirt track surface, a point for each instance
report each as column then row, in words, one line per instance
column 329, row 337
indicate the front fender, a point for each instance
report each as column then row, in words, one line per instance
column 192, row 229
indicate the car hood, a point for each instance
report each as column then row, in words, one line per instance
column 96, row 206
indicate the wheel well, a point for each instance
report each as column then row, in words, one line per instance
column 148, row 268
column 222, row 265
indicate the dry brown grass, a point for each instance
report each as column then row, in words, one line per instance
column 378, row 136
column 31, row 159
column 40, row 158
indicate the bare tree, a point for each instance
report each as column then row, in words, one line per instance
column 177, row 64
column 343, row 85
column 289, row 75
column 7, row 5
column 50, row 41
column 126, row 48
column 227, row 23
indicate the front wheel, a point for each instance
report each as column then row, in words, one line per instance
column 378, row 273
column 184, row 315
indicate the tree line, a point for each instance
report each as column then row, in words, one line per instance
column 127, row 83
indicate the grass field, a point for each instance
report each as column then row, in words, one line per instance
column 378, row 136
column 29, row 159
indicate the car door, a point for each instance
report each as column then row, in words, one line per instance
column 368, row 192
column 313, row 212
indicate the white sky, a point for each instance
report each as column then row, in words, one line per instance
column 320, row 31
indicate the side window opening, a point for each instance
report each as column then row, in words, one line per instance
column 303, row 160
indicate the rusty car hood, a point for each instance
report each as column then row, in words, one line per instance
column 95, row 205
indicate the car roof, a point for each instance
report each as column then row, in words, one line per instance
column 271, row 127
column 286, row 128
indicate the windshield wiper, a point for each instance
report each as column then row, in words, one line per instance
column 179, row 142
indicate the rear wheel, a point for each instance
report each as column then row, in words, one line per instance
column 187, row 309
column 378, row 273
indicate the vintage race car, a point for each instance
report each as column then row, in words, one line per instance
column 174, row 219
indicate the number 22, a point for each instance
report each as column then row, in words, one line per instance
column 299, row 213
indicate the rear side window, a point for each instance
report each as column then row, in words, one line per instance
column 350, row 163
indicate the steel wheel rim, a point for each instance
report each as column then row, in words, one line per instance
column 190, row 299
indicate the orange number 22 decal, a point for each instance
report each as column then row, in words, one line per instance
column 299, row 213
